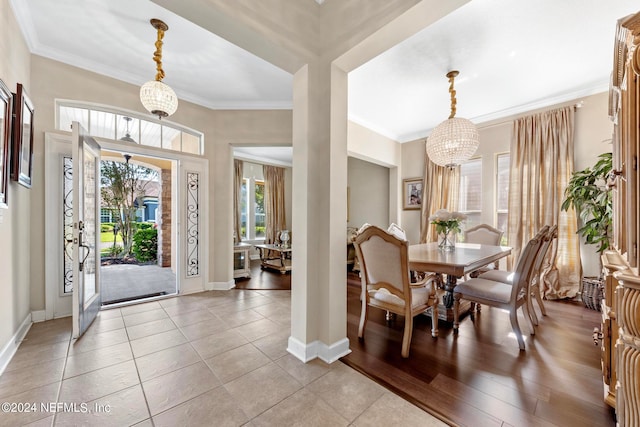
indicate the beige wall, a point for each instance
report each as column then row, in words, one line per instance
column 221, row 128
column 15, row 251
column 592, row 127
column 368, row 193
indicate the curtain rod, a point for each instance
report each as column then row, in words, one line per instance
column 576, row 107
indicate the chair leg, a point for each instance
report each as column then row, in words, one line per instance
column 456, row 312
column 364, row 313
column 536, row 292
column 513, row 316
column 434, row 319
column 532, row 312
column 406, row 338
column 529, row 315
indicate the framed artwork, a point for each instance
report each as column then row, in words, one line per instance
column 6, row 111
column 411, row 193
column 22, row 155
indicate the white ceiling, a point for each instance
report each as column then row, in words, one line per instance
column 512, row 55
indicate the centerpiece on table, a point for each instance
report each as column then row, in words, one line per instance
column 447, row 226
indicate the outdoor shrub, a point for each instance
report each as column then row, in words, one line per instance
column 145, row 244
column 106, row 226
column 144, row 225
column 115, row 250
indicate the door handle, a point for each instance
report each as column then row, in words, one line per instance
column 86, row 255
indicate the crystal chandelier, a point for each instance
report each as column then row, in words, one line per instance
column 455, row 140
column 158, row 98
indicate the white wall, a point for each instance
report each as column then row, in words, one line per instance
column 368, row 193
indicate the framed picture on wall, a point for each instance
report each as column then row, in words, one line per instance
column 6, row 110
column 411, row 193
column 22, row 155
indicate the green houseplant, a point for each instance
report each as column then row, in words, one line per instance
column 589, row 194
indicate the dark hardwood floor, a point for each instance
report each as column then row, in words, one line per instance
column 479, row 377
column 264, row 279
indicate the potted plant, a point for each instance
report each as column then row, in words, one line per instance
column 590, row 195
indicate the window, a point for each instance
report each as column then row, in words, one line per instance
column 260, row 226
column 470, row 196
column 108, row 122
column 244, row 205
column 502, row 193
column 252, row 209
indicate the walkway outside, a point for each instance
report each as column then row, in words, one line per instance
column 121, row 282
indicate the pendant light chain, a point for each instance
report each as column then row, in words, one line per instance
column 157, row 55
column 452, row 75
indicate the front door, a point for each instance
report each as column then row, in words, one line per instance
column 86, row 225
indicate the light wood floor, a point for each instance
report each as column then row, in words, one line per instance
column 480, row 377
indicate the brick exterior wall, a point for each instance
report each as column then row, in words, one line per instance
column 164, row 235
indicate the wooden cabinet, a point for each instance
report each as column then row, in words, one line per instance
column 612, row 262
column 627, row 350
column 621, row 308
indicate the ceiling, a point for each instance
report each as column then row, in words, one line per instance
column 512, row 57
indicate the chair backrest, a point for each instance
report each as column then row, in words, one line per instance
column 397, row 231
column 524, row 268
column 552, row 233
column 483, row 234
column 383, row 258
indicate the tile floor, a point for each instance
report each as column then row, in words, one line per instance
column 214, row 358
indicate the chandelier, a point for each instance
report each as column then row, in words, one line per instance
column 158, row 98
column 455, row 140
column 127, row 135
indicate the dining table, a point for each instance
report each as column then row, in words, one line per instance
column 462, row 259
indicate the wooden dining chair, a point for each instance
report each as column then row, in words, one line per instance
column 483, row 234
column 509, row 297
column 536, row 273
column 386, row 284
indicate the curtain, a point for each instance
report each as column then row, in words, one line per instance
column 439, row 191
column 540, row 168
column 238, row 167
column 274, row 202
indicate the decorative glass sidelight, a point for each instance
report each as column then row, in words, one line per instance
column 67, row 224
column 193, row 224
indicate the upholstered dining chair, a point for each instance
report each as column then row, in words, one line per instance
column 509, row 297
column 536, row 273
column 386, row 285
column 483, row 234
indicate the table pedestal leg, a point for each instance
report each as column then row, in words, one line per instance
column 445, row 308
column 447, row 298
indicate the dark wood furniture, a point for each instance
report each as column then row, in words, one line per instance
column 465, row 258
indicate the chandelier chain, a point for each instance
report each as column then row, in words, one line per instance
column 452, row 91
column 157, row 56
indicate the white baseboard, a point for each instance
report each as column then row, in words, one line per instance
column 10, row 348
column 221, row 286
column 318, row 349
column 38, row 316
column 333, row 352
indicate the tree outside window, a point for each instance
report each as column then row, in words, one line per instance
column 260, row 226
column 252, row 209
column 123, row 186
